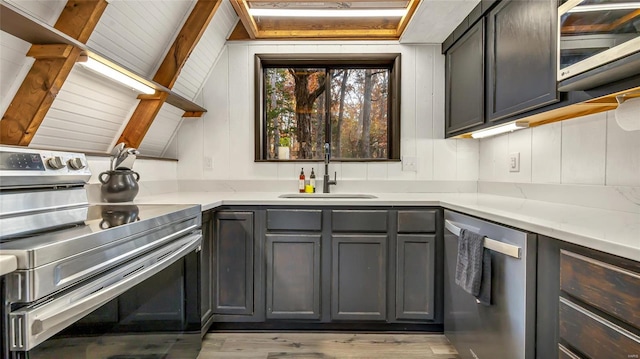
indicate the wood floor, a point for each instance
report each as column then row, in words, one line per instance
column 326, row 346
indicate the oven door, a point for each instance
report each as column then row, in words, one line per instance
column 147, row 308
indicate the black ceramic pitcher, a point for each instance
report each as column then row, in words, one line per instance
column 119, row 185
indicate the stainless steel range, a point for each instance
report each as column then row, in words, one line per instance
column 93, row 281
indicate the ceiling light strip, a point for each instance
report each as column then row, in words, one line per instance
column 328, row 12
column 113, row 74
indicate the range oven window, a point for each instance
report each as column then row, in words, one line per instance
column 589, row 28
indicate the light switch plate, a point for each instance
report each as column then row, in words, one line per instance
column 514, row 162
column 208, row 163
column 408, row 164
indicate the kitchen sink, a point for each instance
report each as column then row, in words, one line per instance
column 328, row 195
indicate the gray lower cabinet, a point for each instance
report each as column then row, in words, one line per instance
column 415, row 277
column 358, row 277
column 206, row 270
column 590, row 302
column 233, row 253
column 286, row 265
column 293, row 276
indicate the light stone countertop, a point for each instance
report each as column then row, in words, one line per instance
column 7, row 264
column 613, row 232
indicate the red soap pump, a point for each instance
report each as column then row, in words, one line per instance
column 301, row 181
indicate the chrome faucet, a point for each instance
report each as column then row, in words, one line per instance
column 326, row 182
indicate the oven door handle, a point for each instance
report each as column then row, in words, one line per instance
column 32, row 325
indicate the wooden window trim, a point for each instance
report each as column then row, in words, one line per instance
column 334, row 61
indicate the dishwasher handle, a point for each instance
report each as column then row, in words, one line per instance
column 492, row 244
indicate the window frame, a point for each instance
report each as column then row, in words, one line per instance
column 391, row 60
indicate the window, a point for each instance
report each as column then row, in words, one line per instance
column 349, row 101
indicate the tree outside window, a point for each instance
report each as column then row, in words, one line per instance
column 305, row 103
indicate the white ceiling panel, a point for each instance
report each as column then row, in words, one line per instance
column 162, row 131
column 46, row 11
column 14, row 66
column 87, row 114
column 197, row 68
column 434, row 20
column 138, row 33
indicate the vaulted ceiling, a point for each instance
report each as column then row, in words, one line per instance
column 89, row 113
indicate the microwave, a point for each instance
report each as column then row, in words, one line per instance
column 598, row 42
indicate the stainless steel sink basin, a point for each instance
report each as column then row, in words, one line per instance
column 328, row 195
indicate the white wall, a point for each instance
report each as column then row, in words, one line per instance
column 588, row 161
column 590, row 150
column 225, row 133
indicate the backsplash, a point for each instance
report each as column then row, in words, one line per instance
column 224, row 135
column 588, row 161
column 590, row 150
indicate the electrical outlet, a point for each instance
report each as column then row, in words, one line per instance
column 208, row 163
column 514, row 162
column 409, row 164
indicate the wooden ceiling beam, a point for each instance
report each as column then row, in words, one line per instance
column 185, row 42
column 169, row 70
column 411, row 9
column 247, row 20
column 142, row 118
column 53, row 64
column 80, row 17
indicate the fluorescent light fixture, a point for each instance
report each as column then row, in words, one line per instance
column 328, row 12
column 500, row 129
column 107, row 71
column 606, row 7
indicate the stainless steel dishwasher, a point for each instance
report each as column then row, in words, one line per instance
column 506, row 328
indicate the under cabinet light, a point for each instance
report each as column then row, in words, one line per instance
column 328, row 12
column 500, row 129
column 606, row 7
column 107, row 71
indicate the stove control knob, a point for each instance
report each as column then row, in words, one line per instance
column 55, row 163
column 77, row 163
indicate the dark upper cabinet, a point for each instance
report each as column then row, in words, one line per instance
column 501, row 64
column 233, row 272
column 521, row 57
column 464, row 85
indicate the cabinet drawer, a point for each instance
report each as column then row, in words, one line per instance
column 593, row 335
column 294, row 219
column 564, row 353
column 358, row 221
column 417, row 221
column 612, row 289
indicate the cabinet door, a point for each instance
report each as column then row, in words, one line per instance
column 464, row 107
column 359, row 282
column 293, row 276
column 233, row 263
column 521, row 57
column 206, row 269
column 415, row 276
